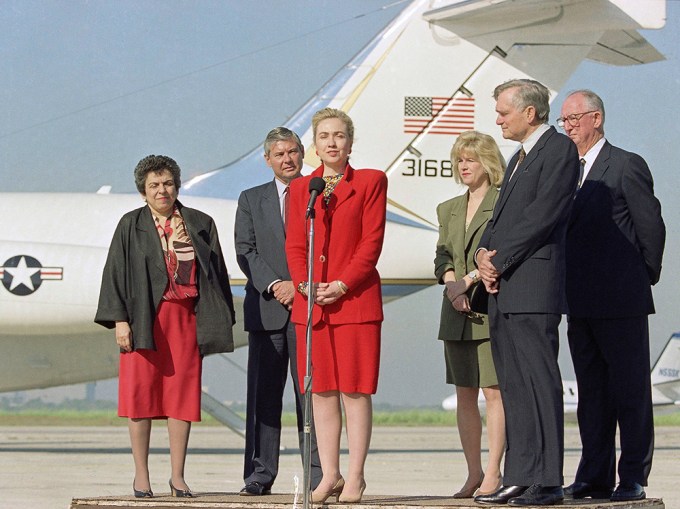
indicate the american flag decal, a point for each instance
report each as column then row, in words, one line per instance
column 455, row 118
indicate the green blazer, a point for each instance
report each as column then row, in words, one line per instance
column 455, row 250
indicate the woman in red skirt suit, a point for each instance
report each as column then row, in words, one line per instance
column 347, row 311
column 166, row 292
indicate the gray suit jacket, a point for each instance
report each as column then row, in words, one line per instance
column 259, row 240
column 529, row 224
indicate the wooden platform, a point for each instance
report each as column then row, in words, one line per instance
column 234, row 501
column 408, row 467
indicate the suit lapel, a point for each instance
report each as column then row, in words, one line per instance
column 149, row 241
column 319, row 206
column 509, row 183
column 342, row 192
column 457, row 224
column 196, row 229
column 596, row 173
column 482, row 215
column 271, row 210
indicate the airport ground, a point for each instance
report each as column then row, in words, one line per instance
column 45, row 467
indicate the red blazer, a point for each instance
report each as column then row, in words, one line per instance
column 347, row 243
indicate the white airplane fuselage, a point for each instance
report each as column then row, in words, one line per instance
column 51, row 271
column 423, row 80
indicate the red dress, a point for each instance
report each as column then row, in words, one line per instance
column 166, row 382
column 350, row 226
column 345, row 357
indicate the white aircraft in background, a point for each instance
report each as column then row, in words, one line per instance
column 665, row 383
column 428, row 76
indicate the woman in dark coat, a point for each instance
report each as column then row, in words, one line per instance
column 165, row 290
column 478, row 165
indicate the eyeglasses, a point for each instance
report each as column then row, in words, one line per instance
column 574, row 119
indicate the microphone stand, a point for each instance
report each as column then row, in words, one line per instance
column 307, row 439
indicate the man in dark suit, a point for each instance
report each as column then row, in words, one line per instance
column 260, row 252
column 615, row 243
column 521, row 261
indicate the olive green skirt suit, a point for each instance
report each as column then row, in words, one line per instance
column 467, row 348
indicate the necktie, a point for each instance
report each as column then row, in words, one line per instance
column 286, row 201
column 581, row 170
column 522, row 155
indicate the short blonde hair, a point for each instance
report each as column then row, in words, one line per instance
column 327, row 113
column 483, row 148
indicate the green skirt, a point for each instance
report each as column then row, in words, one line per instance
column 469, row 363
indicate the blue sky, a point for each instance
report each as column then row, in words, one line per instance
column 89, row 87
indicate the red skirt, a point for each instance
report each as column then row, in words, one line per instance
column 165, row 382
column 345, row 357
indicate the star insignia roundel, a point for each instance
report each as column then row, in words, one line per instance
column 22, row 275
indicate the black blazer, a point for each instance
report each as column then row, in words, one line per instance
column 615, row 239
column 260, row 241
column 529, row 224
column 135, row 278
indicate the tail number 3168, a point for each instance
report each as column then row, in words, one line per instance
column 427, row 168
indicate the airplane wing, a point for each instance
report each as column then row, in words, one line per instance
column 608, row 27
column 624, row 47
column 670, row 389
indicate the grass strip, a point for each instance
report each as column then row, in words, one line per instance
column 411, row 417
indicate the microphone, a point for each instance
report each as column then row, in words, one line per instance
column 316, row 186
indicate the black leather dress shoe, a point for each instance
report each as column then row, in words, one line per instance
column 628, row 491
column 579, row 490
column 255, row 489
column 539, row 495
column 501, row 496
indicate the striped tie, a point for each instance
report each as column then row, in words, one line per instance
column 522, row 155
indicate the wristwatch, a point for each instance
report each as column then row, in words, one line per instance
column 474, row 276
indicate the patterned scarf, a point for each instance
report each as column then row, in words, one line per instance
column 179, row 257
column 331, row 182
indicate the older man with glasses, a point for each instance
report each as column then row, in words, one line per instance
column 615, row 243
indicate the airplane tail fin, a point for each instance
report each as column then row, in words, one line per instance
column 430, row 74
column 667, row 366
column 433, row 75
column 666, row 373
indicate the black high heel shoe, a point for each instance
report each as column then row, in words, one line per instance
column 141, row 493
column 179, row 493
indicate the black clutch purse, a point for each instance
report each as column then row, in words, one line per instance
column 479, row 299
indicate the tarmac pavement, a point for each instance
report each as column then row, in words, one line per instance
column 46, row 467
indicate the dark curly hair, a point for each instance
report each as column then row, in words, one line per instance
column 156, row 164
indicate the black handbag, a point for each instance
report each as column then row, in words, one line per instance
column 479, row 299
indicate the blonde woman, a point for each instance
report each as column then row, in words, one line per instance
column 347, row 311
column 478, row 165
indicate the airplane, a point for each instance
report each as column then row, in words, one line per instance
column 665, row 377
column 569, row 399
column 426, row 77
